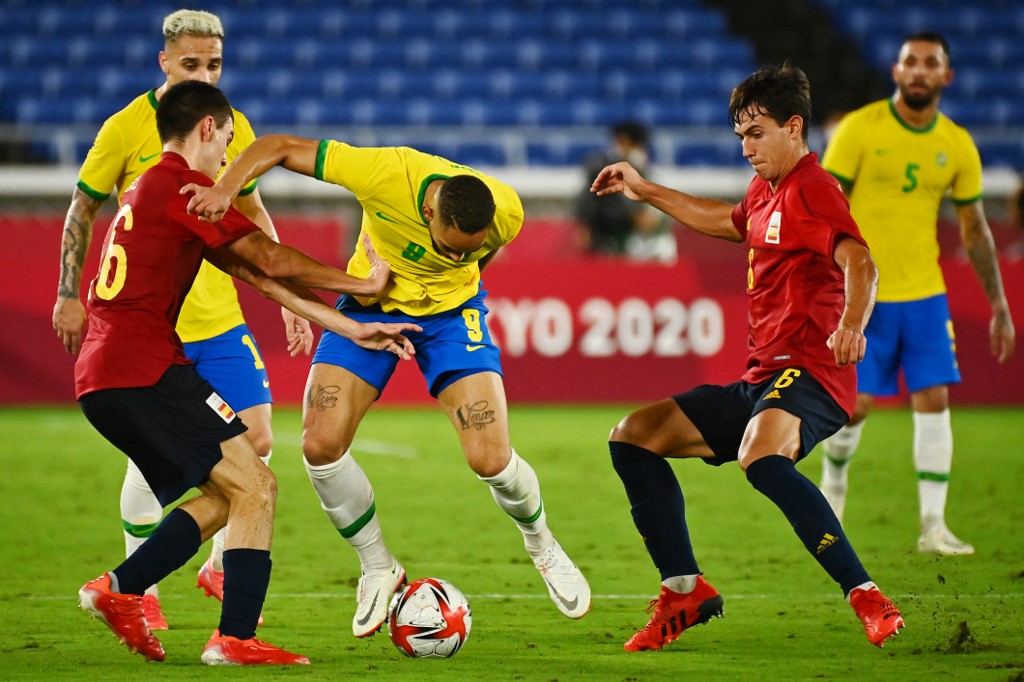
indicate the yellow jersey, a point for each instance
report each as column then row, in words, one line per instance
column 898, row 175
column 126, row 146
column 390, row 184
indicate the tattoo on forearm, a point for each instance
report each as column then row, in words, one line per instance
column 72, row 257
column 982, row 254
column 322, row 397
column 74, row 246
column 475, row 416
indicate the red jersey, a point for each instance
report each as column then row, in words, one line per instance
column 796, row 290
column 151, row 254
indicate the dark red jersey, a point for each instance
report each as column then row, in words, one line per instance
column 151, row 254
column 796, row 289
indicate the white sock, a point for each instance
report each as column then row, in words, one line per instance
column 140, row 512
column 869, row 585
column 683, row 584
column 839, row 449
column 517, row 491
column 933, row 459
column 347, row 497
column 217, row 542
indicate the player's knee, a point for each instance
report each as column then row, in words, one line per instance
column 630, row 430
column 320, row 449
column 488, row 462
column 262, row 441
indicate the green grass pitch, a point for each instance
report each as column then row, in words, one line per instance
column 784, row 619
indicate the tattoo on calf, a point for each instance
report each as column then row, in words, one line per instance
column 475, row 416
column 322, row 397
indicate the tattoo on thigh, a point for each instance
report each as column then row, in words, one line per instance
column 322, row 397
column 475, row 416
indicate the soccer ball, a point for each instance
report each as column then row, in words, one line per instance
column 430, row 618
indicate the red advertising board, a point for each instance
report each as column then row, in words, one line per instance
column 571, row 328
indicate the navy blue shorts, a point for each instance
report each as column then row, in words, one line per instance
column 721, row 413
column 453, row 344
column 171, row 430
column 231, row 362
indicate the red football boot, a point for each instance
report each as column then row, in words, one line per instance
column 675, row 612
column 154, row 616
column 880, row 616
column 233, row 651
column 123, row 614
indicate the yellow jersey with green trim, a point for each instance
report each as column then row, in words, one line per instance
column 897, row 176
column 126, row 146
column 390, row 184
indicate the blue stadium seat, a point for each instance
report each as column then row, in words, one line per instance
column 380, row 63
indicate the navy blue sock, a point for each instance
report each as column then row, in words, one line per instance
column 174, row 542
column 777, row 478
column 657, row 506
column 246, row 578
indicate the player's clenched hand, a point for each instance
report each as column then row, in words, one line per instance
column 296, row 329
column 618, row 178
column 848, row 345
column 380, row 270
column 209, row 203
column 386, row 336
column 68, row 320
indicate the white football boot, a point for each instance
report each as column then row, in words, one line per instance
column 936, row 538
column 372, row 598
column 566, row 584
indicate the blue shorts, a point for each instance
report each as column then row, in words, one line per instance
column 453, row 344
column 721, row 413
column 916, row 336
column 232, row 363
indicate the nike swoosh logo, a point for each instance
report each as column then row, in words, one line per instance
column 144, row 159
column 473, row 348
column 373, row 605
column 571, row 605
column 266, row 384
column 386, row 217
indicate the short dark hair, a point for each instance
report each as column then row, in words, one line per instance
column 466, row 202
column 778, row 92
column 184, row 105
column 931, row 37
column 634, row 131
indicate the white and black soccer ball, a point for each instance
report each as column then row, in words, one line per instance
column 430, row 618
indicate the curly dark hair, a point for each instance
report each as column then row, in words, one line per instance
column 466, row 202
column 778, row 92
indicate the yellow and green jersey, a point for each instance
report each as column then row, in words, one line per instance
column 126, row 146
column 898, row 176
column 390, row 184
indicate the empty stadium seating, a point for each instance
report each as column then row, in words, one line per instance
column 530, row 66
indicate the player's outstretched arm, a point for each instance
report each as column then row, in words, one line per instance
column 297, row 154
column 258, row 253
column 848, row 341
column 303, row 302
column 980, row 247
column 707, row 216
column 68, row 311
